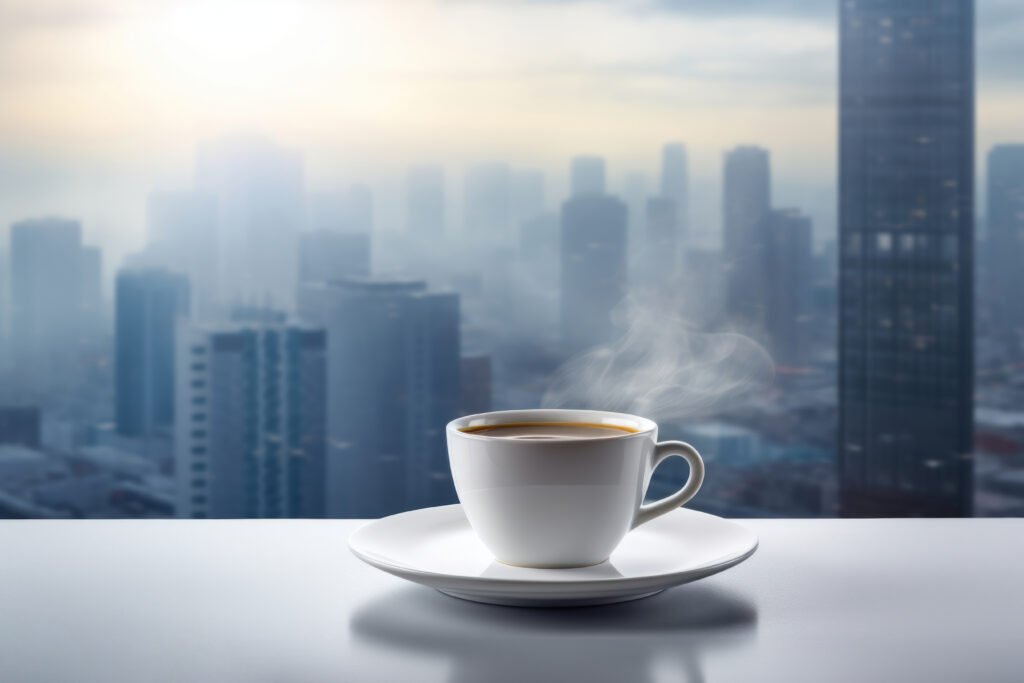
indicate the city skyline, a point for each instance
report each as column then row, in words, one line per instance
column 668, row 72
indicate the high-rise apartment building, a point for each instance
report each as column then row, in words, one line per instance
column 906, row 228
column 250, row 420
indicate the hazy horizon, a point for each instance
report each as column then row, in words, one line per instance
column 105, row 101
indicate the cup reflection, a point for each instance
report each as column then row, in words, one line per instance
column 622, row 642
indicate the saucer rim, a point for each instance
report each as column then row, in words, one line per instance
column 612, row 584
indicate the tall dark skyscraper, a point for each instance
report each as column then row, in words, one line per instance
column 393, row 362
column 182, row 237
column 594, row 259
column 906, row 227
column 148, row 304
column 424, row 202
column 746, row 199
column 586, row 176
column 250, row 430
column 1005, row 239
column 675, row 185
column 788, row 284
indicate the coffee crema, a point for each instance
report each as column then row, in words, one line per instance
column 549, row 431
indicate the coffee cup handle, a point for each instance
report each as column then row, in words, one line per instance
column 662, row 452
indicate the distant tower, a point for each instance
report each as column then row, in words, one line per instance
column 527, row 195
column 393, row 362
column 424, row 202
column 148, row 304
column 593, row 269
column 261, row 208
column 1005, row 239
column 746, row 199
column 182, row 229
column 250, row 428
column 662, row 243
column 906, row 229
column 486, row 210
column 788, row 283
column 50, row 299
column 675, row 185
column 587, row 176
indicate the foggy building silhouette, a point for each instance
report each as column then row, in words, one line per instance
column 586, row 176
column 53, row 283
column 325, row 256
column 250, row 427
column 147, row 307
column 746, row 199
column 393, row 364
column 425, row 202
column 475, row 377
column 789, row 281
column 182, row 237
column 906, row 194
column 527, row 195
column 1004, row 245
column 675, row 185
column 260, row 198
column 20, row 425
column 594, row 258
column 662, row 240
column 486, row 211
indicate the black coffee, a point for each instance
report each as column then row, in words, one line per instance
column 550, row 431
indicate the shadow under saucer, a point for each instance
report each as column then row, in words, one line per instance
column 618, row 642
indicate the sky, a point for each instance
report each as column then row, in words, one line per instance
column 102, row 101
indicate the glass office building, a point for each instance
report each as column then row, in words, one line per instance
column 906, row 227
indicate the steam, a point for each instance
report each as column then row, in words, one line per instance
column 664, row 367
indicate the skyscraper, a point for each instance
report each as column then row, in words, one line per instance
column 393, row 364
column 182, row 236
column 586, row 176
column 675, row 185
column 788, row 284
column 250, row 430
column 148, row 304
column 906, row 195
column 1005, row 239
column 424, row 202
column 48, row 321
column 746, row 199
column 594, row 261
column 260, row 198
column 325, row 256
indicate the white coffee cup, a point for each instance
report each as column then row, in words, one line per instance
column 565, row 502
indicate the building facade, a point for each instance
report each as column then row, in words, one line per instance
column 250, row 431
column 906, row 227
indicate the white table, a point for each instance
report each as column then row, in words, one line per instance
column 254, row 601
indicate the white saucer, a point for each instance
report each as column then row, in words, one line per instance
column 436, row 547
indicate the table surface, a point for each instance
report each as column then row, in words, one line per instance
column 267, row 600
